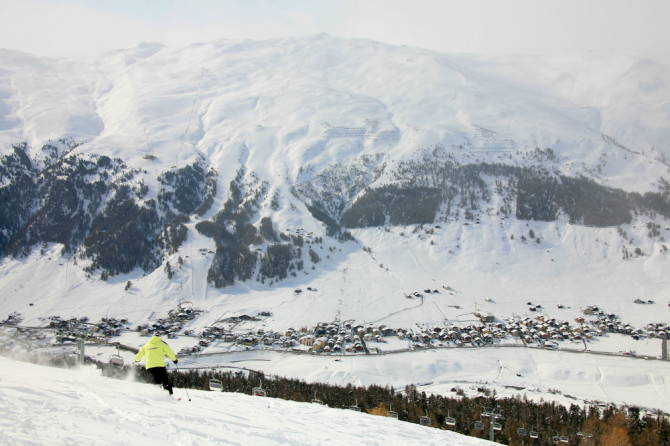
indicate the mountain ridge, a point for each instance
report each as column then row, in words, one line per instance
column 279, row 155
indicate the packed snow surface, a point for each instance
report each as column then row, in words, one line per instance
column 44, row 405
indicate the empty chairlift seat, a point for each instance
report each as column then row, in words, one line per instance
column 216, row 385
column 116, row 360
column 258, row 391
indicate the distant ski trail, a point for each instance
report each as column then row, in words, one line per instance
column 397, row 312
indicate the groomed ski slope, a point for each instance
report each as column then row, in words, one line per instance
column 44, row 405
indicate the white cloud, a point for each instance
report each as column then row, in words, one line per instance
column 72, row 27
column 64, row 28
column 521, row 26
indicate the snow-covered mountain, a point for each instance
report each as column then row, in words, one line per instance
column 317, row 179
column 290, row 98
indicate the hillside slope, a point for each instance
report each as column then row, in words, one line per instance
column 49, row 405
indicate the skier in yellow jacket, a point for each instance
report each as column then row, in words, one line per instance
column 155, row 351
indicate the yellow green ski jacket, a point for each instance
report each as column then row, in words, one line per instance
column 155, row 350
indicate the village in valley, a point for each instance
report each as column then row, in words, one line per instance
column 248, row 332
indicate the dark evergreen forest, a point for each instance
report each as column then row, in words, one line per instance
column 99, row 208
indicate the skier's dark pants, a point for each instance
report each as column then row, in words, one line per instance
column 161, row 377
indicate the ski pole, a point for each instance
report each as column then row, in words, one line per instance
column 185, row 389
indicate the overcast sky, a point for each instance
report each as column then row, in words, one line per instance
column 86, row 27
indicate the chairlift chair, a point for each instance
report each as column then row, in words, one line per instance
column 186, row 304
column 563, row 439
column 116, row 360
column 479, row 425
column 497, row 426
column 216, row 385
column 355, row 408
column 258, row 391
column 392, row 413
column 533, row 434
column 521, row 432
column 425, row 421
column 450, row 421
column 315, row 400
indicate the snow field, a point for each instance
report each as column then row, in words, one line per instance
column 44, row 405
